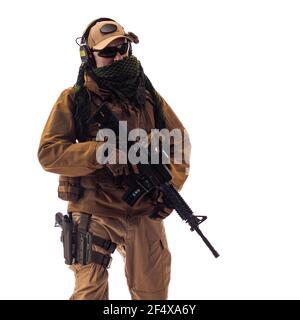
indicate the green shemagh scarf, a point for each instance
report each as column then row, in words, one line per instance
column 127, row 82
column 125, row 79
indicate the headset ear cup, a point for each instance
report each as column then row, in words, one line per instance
column 84, row 53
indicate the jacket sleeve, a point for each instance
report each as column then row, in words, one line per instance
column 180, row 167
column 59, row 152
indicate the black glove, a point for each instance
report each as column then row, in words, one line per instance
column 162, row 208
column 118, row 169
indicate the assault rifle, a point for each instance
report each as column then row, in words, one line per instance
column 152, row 176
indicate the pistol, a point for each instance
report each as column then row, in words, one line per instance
column 67, row 236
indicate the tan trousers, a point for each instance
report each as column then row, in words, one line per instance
column 143, row 245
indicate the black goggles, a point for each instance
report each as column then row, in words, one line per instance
column 111, row 52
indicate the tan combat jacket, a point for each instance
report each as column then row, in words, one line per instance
column 59, row 152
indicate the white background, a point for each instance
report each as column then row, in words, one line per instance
column 231, row 72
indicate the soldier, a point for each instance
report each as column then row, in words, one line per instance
column 110, row 74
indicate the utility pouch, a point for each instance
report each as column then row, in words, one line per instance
column 69, row 188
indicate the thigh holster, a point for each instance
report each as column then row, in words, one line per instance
column 78, row 241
